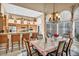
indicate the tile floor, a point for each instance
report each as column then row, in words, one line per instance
column 23, row 52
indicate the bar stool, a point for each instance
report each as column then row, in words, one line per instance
column 4, row 40
column 15, row 38
column 25, row 36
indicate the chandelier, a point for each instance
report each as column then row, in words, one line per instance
column 54, row 17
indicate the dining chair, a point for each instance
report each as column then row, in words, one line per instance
column 34, row 36
column 59, row 50
column 4, row 40
column 68, row 45
column 15, row 38
column 25, row 36
column 30, row 50
column 39, row 36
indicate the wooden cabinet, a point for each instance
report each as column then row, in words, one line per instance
column 2, row 24
column 22, row 23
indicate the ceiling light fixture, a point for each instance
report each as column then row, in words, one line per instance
column 54, row 17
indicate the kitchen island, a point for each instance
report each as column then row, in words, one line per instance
column 9, row 37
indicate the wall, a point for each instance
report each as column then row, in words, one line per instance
column 39, row 22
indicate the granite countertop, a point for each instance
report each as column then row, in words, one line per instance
column 14, row 33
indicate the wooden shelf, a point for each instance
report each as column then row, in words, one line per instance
column 22, row 23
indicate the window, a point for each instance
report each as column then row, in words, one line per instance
column 65, row 23
column 51, row 27
column 64, row 27
column 77, row 30
column 76, row 18
column 76, row 27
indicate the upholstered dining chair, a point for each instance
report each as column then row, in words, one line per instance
column 4, row 40
column 30, row 50
column 59, row 50
column 25, row 36
column 39, row 36
column 67, row 49
column 15, row 38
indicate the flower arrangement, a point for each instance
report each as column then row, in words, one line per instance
column 56, row 35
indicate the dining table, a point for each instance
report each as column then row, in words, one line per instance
column 44, row 48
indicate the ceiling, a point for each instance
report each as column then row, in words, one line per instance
column 46, row 7
column 13, row 9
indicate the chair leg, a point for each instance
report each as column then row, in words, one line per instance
column 69, row 52
column 56, row 54
column 12, row 47
column 6, row 51
column 19, row 44
column 48, row 54
column 6, row 48
column 22, row 44
column 39, row 53
column 61, row 54
column 66, row 53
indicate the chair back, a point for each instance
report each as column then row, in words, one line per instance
column 34, row 35
column 39, row 36
column 61, row 46
column 28, row 47
column 69, row 44
column 26, row 36
column 3, row 38
column 15, row 37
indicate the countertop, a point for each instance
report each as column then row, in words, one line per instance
column 14, row 33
